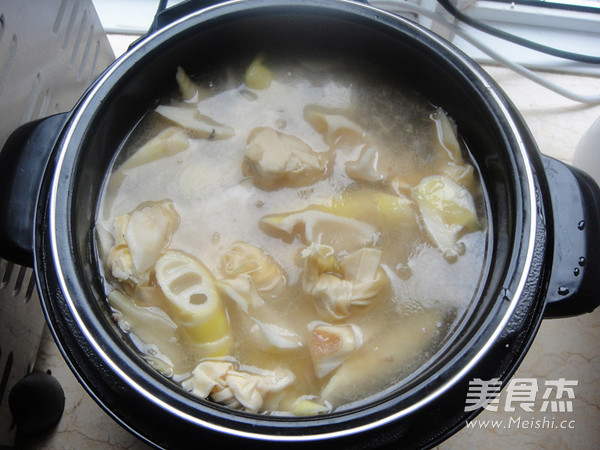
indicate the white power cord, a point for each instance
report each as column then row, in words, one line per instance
column 398, row 6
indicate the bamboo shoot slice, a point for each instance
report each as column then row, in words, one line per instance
column 194, row 301
column 364, row 372
column 191, row 119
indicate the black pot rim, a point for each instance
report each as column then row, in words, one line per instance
column 61, row 256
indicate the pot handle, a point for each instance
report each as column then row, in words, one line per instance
column 165, row 16
column 23, row 161
column 574, row 286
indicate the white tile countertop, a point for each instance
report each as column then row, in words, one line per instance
column 563, row 349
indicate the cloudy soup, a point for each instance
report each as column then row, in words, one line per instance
column 290, row 235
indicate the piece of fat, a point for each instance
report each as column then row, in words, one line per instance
column 365, row 372
column 330, row 345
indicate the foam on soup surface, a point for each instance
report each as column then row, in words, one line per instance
column 295, row 237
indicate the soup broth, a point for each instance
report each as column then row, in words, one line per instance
column 290, row 235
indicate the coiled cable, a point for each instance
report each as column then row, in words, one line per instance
column 397, row 6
